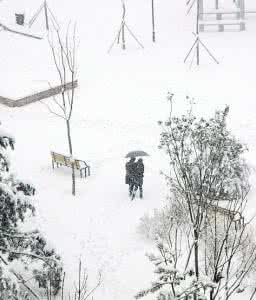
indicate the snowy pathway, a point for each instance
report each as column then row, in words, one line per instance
column 100, row 226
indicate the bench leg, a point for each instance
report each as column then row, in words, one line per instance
column 53, row 164
column 89, row 171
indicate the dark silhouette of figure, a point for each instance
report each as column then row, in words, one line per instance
column 138, row 178
column 130, row 167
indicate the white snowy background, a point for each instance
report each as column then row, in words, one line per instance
column 120, row 98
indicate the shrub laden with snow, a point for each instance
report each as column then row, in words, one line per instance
column 205, row 246
column 28, row 252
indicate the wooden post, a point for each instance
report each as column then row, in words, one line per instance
column 153, row 22
column 197, row 32
column 123, row 38
column 46, row 16
column 123, row 23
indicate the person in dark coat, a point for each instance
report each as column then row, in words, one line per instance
column 138, row 178
column 130, row 168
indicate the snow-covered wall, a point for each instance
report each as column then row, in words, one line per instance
column 36, row 97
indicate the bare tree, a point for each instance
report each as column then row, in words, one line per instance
column 153, row 21
column 82, row 291
column 64, row 52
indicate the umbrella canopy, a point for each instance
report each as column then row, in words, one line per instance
column 136, row 153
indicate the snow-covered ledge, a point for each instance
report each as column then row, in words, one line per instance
column 37, row 96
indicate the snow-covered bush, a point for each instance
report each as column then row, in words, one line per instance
column 161, row 221
column 206, row 228
column 27, row 250
column 155, row 226
column 172, row 283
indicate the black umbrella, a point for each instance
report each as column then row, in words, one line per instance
column 136, row 153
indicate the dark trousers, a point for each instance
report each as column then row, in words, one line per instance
column 136, row 186
column 131, row 187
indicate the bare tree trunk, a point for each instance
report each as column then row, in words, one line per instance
column 227, row 275
column 205, row 250
column 69, row 137
column 62, row 287
column 253, row 294
column 196, row 253
column 79, row 281
column 50, row 288
column 71, row 154
column 64, row 56
column 46, row 16
column 196, row 236
column 197, row 33
column 211, row 294
column 197, row 54
column 123, row 38
column 73, row 181
column 123, row 24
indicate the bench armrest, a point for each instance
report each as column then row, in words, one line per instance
column 82, row 162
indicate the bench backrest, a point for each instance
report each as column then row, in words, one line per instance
column 65, row 160
column 219, row 209
column 81, row 164
column 58, row 157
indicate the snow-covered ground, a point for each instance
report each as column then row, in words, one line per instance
column 120, row 98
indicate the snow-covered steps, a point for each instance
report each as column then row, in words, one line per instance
column 221, row 25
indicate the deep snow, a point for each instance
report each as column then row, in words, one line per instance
column 120, row 98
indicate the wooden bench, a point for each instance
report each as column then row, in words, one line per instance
column 63, row 160
column 221, row 25
column 235, row 216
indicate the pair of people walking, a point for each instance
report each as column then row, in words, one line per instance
column 134, row 176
